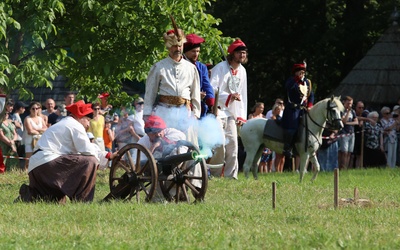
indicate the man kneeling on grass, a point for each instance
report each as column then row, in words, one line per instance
column 64, row 162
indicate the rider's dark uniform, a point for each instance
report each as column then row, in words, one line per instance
column 299, row 94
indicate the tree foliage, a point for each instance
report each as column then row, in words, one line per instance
column 97, row 44
column 331, row 35
column 94, row 43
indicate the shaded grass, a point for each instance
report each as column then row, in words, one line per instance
column 236, row 215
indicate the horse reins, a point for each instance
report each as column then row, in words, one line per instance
column 306, row 113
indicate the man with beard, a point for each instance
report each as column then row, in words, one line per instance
column 230, row 78
column 191, row 50
column 173, row 86
column 173, row 90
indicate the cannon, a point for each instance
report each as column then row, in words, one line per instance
column 179, row 175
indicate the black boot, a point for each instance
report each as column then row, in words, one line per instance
column 288, row 145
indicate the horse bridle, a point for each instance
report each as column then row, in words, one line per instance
column 330, row 106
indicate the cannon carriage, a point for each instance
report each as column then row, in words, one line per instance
column 180, row 174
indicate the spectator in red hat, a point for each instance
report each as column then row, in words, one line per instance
column 64, row 162
column 175, row 83
column 191, row 50
column 300, row 96
column 230, row 78
column 105, row 106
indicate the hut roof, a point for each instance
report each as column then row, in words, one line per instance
column 375, row 79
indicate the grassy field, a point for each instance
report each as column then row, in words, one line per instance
column 235, row 215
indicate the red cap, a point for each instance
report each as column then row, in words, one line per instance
column 192, row 41
column 155, row 122
column 80, row 109
column 298, row 66
column 236, row 45
column 104, row 95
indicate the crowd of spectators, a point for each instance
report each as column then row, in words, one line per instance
column 376, row 135
column 369, row 138
column 23, row 124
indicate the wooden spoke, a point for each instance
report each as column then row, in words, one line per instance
column 189, row 172
column 130, row 160
column 128, row 179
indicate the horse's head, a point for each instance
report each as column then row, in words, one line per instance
column 334, row 119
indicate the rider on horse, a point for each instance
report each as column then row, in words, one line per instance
column 300, row 97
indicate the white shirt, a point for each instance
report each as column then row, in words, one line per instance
column 269, row 114
column 20, row 131
column 171, row 78
column 65, row 137
column 138, row 123
column 220, row 75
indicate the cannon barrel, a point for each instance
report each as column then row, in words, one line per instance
column 177, row 159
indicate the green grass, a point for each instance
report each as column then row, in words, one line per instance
column 235, row 215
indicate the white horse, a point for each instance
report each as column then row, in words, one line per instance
column 254, row 141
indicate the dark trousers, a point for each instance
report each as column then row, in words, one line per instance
column 72, row 176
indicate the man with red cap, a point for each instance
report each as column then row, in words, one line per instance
column 158, row 135
column 191, row 50
column 64, row 162
column 300, row 97
column 173, row 86
column 230, row 78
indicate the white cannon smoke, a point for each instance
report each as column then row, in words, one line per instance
column 208, row 129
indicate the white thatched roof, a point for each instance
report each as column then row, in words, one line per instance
column 376, row 78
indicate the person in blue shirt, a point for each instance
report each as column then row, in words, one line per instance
column 191, row 50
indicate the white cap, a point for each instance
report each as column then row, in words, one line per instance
column 396, row 107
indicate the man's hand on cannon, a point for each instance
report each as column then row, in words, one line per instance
column 113, row 155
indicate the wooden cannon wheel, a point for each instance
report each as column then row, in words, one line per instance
column 180, row 183
column 132, row 174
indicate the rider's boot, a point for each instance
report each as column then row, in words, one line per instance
column 288, row 145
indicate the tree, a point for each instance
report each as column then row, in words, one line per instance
column 94, row 43
column 331, row 35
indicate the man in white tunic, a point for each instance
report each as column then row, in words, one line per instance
column 230, row 78
column 173, row 86
column 64, row 162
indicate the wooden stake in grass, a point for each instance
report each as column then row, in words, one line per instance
column 273, row 195
column 356, row 196
column 336, row 187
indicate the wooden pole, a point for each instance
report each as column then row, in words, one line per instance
column 293, row 164
column 273, row 195
column 356, row 196
column 336, row 188
column 362, row 149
